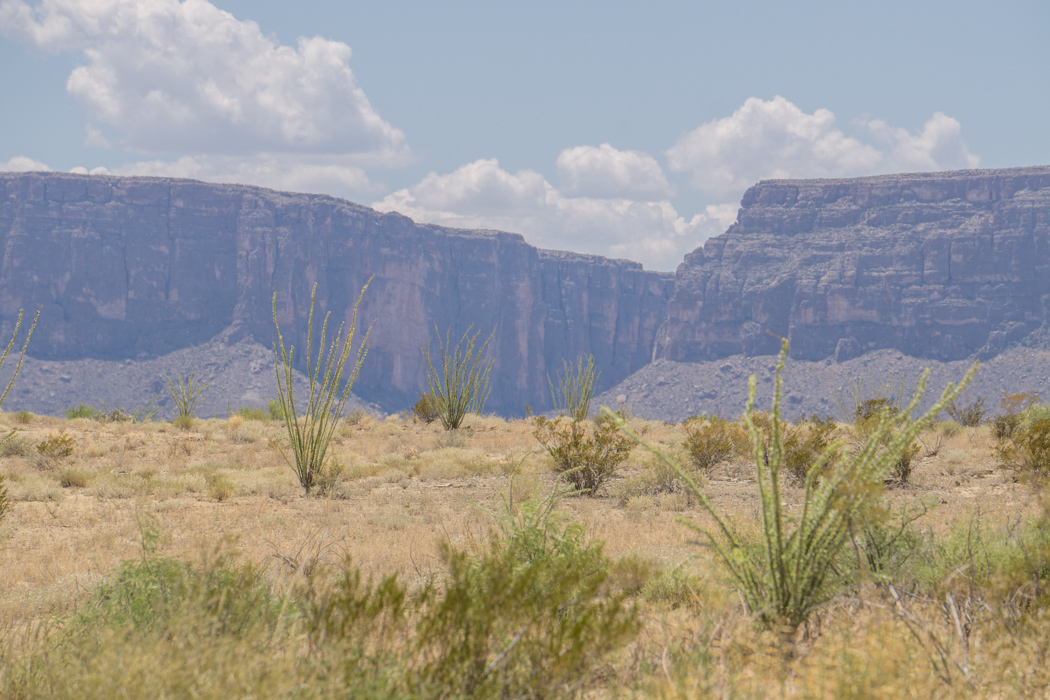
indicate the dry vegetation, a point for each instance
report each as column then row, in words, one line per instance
column 954, row 607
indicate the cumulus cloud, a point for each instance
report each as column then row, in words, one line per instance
column 187, row 80
column 939, row 146
column 587, row 171
column 484, row 195
column 618, row 203
column 281, row 172
column 776, row 139
column 22, row 164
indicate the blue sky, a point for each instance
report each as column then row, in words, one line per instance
column 624, row 129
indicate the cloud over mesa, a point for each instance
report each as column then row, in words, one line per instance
column 188, row 90
column 619, row 202
column 177, row 80
column 604, row 172
column 484, row 195
column 22, row 164
column 776, row 139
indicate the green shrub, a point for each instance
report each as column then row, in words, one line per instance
column 70, row 478
column 885, row 547
column 713, row 440
column 870, row 415
column 275, row 409
column 534, row 611
column 23, row 417
column 1013, row 407
column 1010, row 566
column 1026, row 449
column 947, row 428
column 220, row 488
column 849, row 399
column 81, row 411
column 802, row 444
column 461, row 386
column 968, row 416
column 329, row 479
column 657, row 478
column 586, row 454
column 139, row 414
column 15, row 446
column 163, row 628
column 902, row 468
column 1036, row 412
column 103, row 415
column 113, row 415
column 531, row 613
column 1004, row 425
column 151, row 593
column 356, row 417
column 796, row 566
column 530, row 616
column 424, row 410
column 55, row 448
column 310, row 430
column 251, row 413
column 183, row 422
column 810, row 441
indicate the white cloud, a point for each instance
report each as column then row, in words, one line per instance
column 776, row 139
column 21, row 164
column 604, row 171
column 938, row 147
column 189, row 82
column 283, row 172
column 483, row 195
column 479, row 191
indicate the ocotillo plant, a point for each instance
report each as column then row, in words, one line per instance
column 21, row 357
column 5, row 501
column 187, row 396
column 575, row 387
column 461, row 384
column 310, row 428
column 796, row 571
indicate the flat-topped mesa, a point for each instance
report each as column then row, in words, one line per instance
column 939, row 265
column 127, row 267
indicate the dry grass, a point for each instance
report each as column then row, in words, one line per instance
column 402, row 486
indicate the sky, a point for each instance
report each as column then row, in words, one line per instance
column 629, row 130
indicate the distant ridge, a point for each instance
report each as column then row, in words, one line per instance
column 138, row 268
column 935, row 265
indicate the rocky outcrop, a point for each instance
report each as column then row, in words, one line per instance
column 935, row 265
column 133, row 268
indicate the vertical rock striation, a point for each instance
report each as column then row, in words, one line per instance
column 936, row 265
column 140, row 267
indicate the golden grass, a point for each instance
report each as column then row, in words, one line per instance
column 404, row 486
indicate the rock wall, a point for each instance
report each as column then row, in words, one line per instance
column 936, row 265
column 140, row 267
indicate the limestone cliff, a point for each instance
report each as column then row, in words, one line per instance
column 140, row 267
column 935, row 265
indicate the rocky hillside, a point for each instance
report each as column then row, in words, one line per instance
column 673, row 391
column 135, row 275
column 141, row 268
column 935, row 265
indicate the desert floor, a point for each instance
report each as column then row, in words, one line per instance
column 403, row 486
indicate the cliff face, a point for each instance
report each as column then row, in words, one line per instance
column 139, row 267
column 937, row 265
